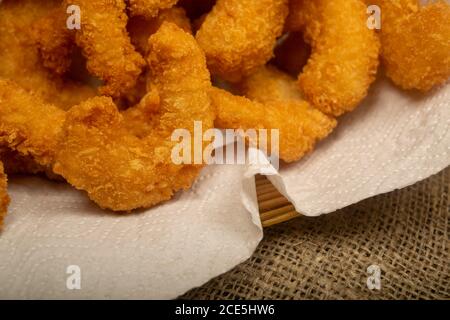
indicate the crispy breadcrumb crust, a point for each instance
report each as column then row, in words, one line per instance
column 149, row 8
column 300, row 126
column 106, row 45
column 416, row 43
column 270, row 84
column 20, row 60
column 28, row 125
column 140, row 28
column 54, row 41
column 345, row 53
column 119, row 170
column 239, row 35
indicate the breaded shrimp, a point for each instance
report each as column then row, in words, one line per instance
column 20, row 60
column 344, row 58
column 119, row 170
column 106, row 44
column 269, row 84
column 149, row 8
column 140, row 28
column 4, row 198
column 141, row 118
column 239, row 36
column 300, row 126
column 28, row 125
column 415, row 43
column 54, row 41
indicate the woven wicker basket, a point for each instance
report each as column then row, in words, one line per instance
column 274, row 208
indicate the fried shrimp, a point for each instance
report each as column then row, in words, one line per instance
column 140, row 119
column 344, row 56
column 269, row 84
column 300, row 126
column 415, row 43
column 149, row 8
column 54, row 41
column 106, row 45
column 28, row 125
column 4, row 198
column 239, row 35
column 278, row 93
column 140, row 28
column 20, row 59
column 120, row 171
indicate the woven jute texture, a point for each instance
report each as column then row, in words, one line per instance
column 405, row 233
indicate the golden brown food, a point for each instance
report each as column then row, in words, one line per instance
column 269, row 84
column 54, row 41
column 20, row 60
column 344, row 57
column 239, row 36
column 28, row 125
column 149, row 8
column 118, row 147
column 141, row 29
column 300, row 126
column 107, row 46
column 4, row 198
column 415, row 43
column 142, row 118
column 119, row 170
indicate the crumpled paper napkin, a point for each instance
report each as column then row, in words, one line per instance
column 394, row 139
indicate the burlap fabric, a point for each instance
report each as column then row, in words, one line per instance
column 405, row 233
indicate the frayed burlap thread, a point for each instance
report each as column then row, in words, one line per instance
column 405, row 233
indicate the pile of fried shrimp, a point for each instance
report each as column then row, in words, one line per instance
column 95, row 104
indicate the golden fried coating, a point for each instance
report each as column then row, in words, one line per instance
column 28, row 125
column 54, row 41
column 20, row 59
column 141, row 118
column 140, row 28
column 292, row 54
column 149, row 8
column 239, row 35
column 300, row 126
column 4, row 198
column 134, row 95
column 344, row 58
column 119, row 170
column 416, row 43
column 268, row 84
column 107, row 46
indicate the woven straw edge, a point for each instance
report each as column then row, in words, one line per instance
column 274, row 208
